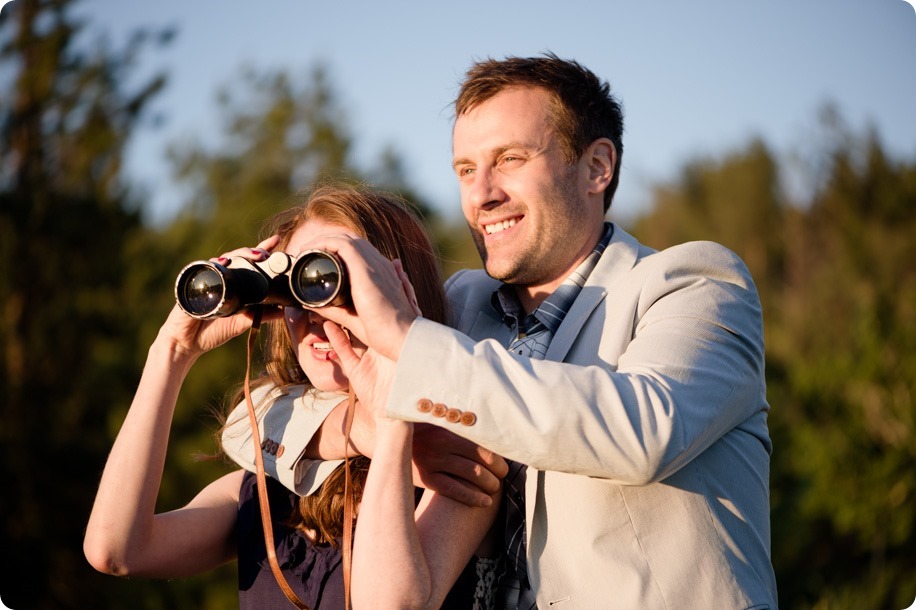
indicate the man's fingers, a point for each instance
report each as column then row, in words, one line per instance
column 493, row 463
column 456, row 489
column 346, row 318
column 408, row 287
column 435, row 443
column 461, row 469
column 473, row 473
column 342, row 347
column 440, row 453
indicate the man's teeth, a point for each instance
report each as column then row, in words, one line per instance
column 499, row 226
column 323, row 345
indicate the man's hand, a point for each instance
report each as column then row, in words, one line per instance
column 382, row 308
column 455, row 467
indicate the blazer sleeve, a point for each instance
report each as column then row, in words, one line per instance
column 666, row 365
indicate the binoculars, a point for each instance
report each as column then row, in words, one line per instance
column 314, row 278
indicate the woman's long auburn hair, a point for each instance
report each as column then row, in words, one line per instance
column 394, row 227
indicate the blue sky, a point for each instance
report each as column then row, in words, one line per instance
column 696, row 78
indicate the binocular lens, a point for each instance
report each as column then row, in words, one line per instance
column 201, row 290
column 317, row 279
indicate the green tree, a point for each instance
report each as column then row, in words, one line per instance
column 736, row 201
column 84, row 284
column 848, row 375
column 452, row 238
column 279, row 134
column 66, row 216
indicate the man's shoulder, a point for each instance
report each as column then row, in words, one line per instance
column 627, row 261
column 469, row 291
column 470, row 283
column 705, row 272
column 706, row 258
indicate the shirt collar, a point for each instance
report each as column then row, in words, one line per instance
column 552, row 311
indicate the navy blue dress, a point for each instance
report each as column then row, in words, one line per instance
column 314, row 572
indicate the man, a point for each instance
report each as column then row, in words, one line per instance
column 633, row 383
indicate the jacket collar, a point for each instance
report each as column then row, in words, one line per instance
column 618, row 259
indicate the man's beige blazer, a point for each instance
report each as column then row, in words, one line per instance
column 644, row 428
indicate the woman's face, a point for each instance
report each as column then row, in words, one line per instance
column 310, row 343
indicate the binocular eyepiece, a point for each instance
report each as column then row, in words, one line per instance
column 315, row 278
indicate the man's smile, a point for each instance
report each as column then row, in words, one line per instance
column 502, row 225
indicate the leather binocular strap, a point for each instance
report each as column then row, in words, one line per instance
column 262, row 478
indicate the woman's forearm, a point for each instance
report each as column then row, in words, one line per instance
column 389, row 567
column 121, row 523
column 407, row 557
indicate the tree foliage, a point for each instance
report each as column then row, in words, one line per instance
column 66, row 217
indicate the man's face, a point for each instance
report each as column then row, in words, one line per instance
column 528, row 209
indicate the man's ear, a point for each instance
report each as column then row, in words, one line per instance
column 602, row 158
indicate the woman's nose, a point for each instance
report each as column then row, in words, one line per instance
column 313, row 317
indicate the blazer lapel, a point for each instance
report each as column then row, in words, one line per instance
column 618, row 258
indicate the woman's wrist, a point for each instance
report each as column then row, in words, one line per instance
column 392, row 432
column 167, row 349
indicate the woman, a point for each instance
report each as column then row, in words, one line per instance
column 126, row 537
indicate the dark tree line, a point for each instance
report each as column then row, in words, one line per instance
column 85, row 283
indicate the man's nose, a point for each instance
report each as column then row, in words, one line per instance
column 485, row 190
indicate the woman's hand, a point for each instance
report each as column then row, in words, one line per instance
column 191, row 337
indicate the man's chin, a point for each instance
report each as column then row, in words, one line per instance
column 505, row 273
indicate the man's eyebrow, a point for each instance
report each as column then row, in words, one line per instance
column 460, row 161
column 495, row 152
